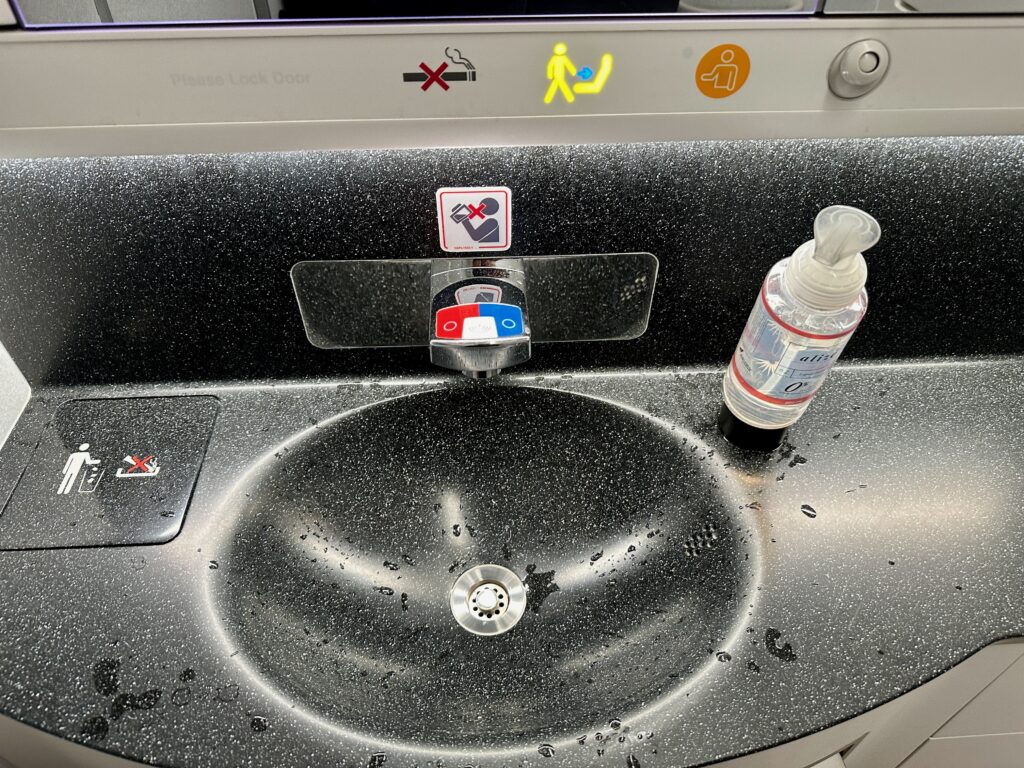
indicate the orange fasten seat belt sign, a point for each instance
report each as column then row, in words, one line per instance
column 722, row 71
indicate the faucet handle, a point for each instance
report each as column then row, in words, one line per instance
column 479, row 323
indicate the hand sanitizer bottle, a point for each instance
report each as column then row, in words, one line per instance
column 810, row 305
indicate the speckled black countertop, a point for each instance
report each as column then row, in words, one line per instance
column 880, row 546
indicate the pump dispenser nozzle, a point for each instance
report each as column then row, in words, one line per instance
column 841, row 231
column 828, row 272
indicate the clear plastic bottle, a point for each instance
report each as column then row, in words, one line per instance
column 810, row 305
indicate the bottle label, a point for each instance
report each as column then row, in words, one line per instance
column 780, row 364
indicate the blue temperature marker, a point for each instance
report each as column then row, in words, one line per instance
column 507, row 317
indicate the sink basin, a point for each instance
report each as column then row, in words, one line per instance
column 346, row 543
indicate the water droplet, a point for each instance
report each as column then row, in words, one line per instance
column 227, row 694
column 596, row 556
column 386, row 590
column 615, row 724
column 546, row 750
column 457, row 529
column 181, row 697
column 259, row 724
column 771, row 644
column 808, row 510
column 95, row 729
column 378, row 759
column 723, row 656
column 632, row 762
column 105, row 676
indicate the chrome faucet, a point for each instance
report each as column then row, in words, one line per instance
column 472, row 311
column 479, row 323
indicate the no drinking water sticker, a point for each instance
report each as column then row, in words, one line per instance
column 474, row 218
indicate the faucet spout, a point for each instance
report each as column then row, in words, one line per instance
column 479, row 318
column 481, row 375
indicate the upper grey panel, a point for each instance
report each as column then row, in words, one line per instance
column 923, row 6
column 65, row 12
column 176, row 268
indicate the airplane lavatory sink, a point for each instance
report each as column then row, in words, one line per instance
column 609, row 539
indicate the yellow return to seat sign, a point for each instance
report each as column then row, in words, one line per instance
column 560, row 68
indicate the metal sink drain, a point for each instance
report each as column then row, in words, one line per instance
column 488, row 600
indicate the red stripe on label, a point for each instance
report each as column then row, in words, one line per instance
column 797, row 331
column 760, row 395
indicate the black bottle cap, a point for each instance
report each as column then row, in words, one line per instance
column 742, row 435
